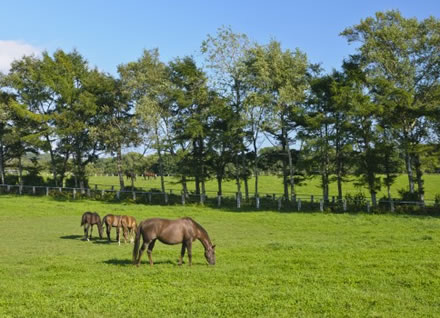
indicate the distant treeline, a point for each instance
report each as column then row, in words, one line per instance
column 378, row 115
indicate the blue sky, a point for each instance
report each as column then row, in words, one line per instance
column 108, row 33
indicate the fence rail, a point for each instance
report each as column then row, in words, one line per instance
column 300, row 202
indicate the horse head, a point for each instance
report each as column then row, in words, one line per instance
column 210, row 255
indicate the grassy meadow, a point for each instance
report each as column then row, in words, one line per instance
column 273, row 184
column 269, row 264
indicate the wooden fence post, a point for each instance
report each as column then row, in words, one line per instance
column 299, row 205
column 257, row 202
column 321, row 205
column 219, row 200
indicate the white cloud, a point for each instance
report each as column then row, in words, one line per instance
column 13, row 50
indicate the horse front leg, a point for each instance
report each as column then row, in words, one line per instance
column 117, row 235
column 108, row 229
column 86, row 232
column 150, row 250
column 182, row 253
column 189, row 248
column 125, row 232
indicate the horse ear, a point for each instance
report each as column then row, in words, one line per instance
column 213, row 246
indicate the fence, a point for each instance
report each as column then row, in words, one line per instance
column 266, row 201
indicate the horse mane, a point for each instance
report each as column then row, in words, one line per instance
column 198, row 226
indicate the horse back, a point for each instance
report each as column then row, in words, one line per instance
column 128, row 221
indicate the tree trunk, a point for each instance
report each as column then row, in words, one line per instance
column 52, row 162
column 245, row 177
column 159, row 153
column 419, row 175
column 219, row 185
column 119, row 166
column 256, row 172
column 237, row 173
column 2, row 164
column 184, row 186
column 20, row 171
column 409, row 171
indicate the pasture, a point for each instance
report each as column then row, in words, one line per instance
column 269, row 264
column 273, row 184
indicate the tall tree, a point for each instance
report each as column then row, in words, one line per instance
column 146, row 80
column 402, row 60
column 226, row 55
column 80, row 97
column 281, row 77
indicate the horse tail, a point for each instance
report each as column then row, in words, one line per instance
column 136, row 244
column 83, row 219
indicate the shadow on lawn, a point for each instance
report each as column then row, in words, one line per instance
column 72, row 237
column 128, row 262
column 95, row 240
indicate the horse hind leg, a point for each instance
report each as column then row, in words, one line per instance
column 182, row 253
column 141, row 251
column 91, row 230
column 150, row 251
column 118, row 238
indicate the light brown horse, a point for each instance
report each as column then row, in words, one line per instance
column 126, row 222
column 171, row 232
column 110, row 221
column 89, row 219
column 129, row 227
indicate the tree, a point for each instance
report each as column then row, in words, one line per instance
column 401, row 59
column 226, row 55
column 146, row 82
column 28, row 79
column 281, row 79
column 119, row 128
column 191, row 109
column 80, row 96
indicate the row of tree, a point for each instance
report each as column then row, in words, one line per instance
column 382, row 108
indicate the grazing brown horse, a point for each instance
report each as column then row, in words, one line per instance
column 149, row 174
column 89, row 219
column 110, row 221
column 129, row 227
column 171, row 232
column 127, row 223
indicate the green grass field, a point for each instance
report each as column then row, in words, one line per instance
column 273, row 184
column 268, row 265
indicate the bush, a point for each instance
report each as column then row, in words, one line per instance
column 408, row 196
column 33, row 180
column 70, row 182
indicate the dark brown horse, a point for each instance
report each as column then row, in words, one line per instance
column 89, row 219
column 171, row 232
column 129, row 227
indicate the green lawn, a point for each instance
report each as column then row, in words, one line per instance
column 268, row 264
column 273, row 184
